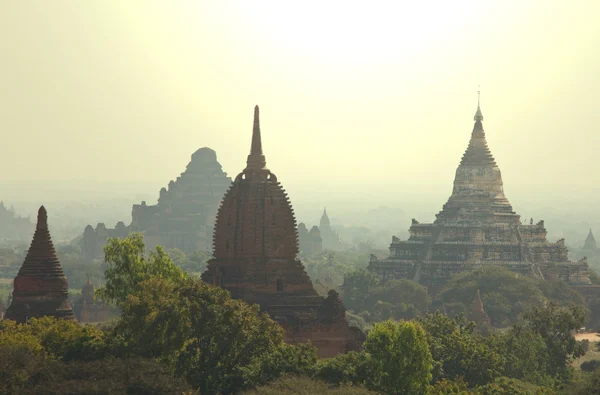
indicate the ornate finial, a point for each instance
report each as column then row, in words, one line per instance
column 42, row 219
column 478, row 114
column 256, row 159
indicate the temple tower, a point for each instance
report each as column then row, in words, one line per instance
column 41, row 287
column 478, row 192
column 590, row 242
column 255, row 249
column 478, row 314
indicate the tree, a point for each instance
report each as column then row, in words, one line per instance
column 357, row 285
column 127, row 266
column 201, row 332
column 556, row 325
column 401, row 359
column 460, row 352
column 505, row 294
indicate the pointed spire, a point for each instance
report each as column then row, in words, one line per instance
column 478, row 114
column 478, row 127
column 256, row 148
column 42, row 219
column 590, row 241
column 478, row 304
column 256, row 159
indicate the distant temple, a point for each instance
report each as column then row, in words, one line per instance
column 184, row 216
column 12, row 226
column 309, row 242
column 323, row 237
column 255, row 249
column 87, row 308
column 478, row 227
column 590, row 243
column 40, row 288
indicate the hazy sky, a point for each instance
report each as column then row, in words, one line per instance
column 376, row 97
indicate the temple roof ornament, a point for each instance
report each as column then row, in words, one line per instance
column 256, row 160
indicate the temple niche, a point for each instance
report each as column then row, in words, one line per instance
column 13, row 226
column 477, row 227
column 184, row 216
column 255, row 249
column 41, row 287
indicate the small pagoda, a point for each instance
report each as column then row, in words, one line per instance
column 41, row 287
column 255, row 249
column 478, row 314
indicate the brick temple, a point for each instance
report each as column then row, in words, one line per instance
column 41, row 287
column 255, row 249
column 184, row 216
column 478, row 227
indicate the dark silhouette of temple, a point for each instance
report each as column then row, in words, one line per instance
column 184, row 216
column 478, row 227
column 41, row 287
column 590, row 243
column 255, row 249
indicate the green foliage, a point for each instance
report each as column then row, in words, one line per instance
column 199, row 330
column 285, row 359
column 396, row 299
column 458, row 351
column 505, row 294
column 298, row 385
column 525, row 355
column 401, row 359
column 507, row 386
column 31, row 373
column 556, row 326
column 590, row 366
column 350, row 368
column 587, row 384
column 447, row 387
column 57, row 339
column 357, row 285
column 194, row 263
column 127, row 266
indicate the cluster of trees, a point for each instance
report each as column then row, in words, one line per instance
column 505, row 295
column 178, row 334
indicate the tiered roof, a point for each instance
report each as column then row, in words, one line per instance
column 41, row 287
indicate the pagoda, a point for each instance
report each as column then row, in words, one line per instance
column 477, row 227
column 255, row 250
column 478, row 314
column 184, row 216
column 590, row 242
column 41, row 287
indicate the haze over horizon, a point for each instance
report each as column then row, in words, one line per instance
column 370, row 105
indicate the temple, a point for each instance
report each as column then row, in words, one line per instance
column 310, row 242
column 255, row 249
column 590, row 243
column 40, row 288
column 184, row 216
column 13, row 226
column 477, row 227
column 87, row 308
column 331, row 240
